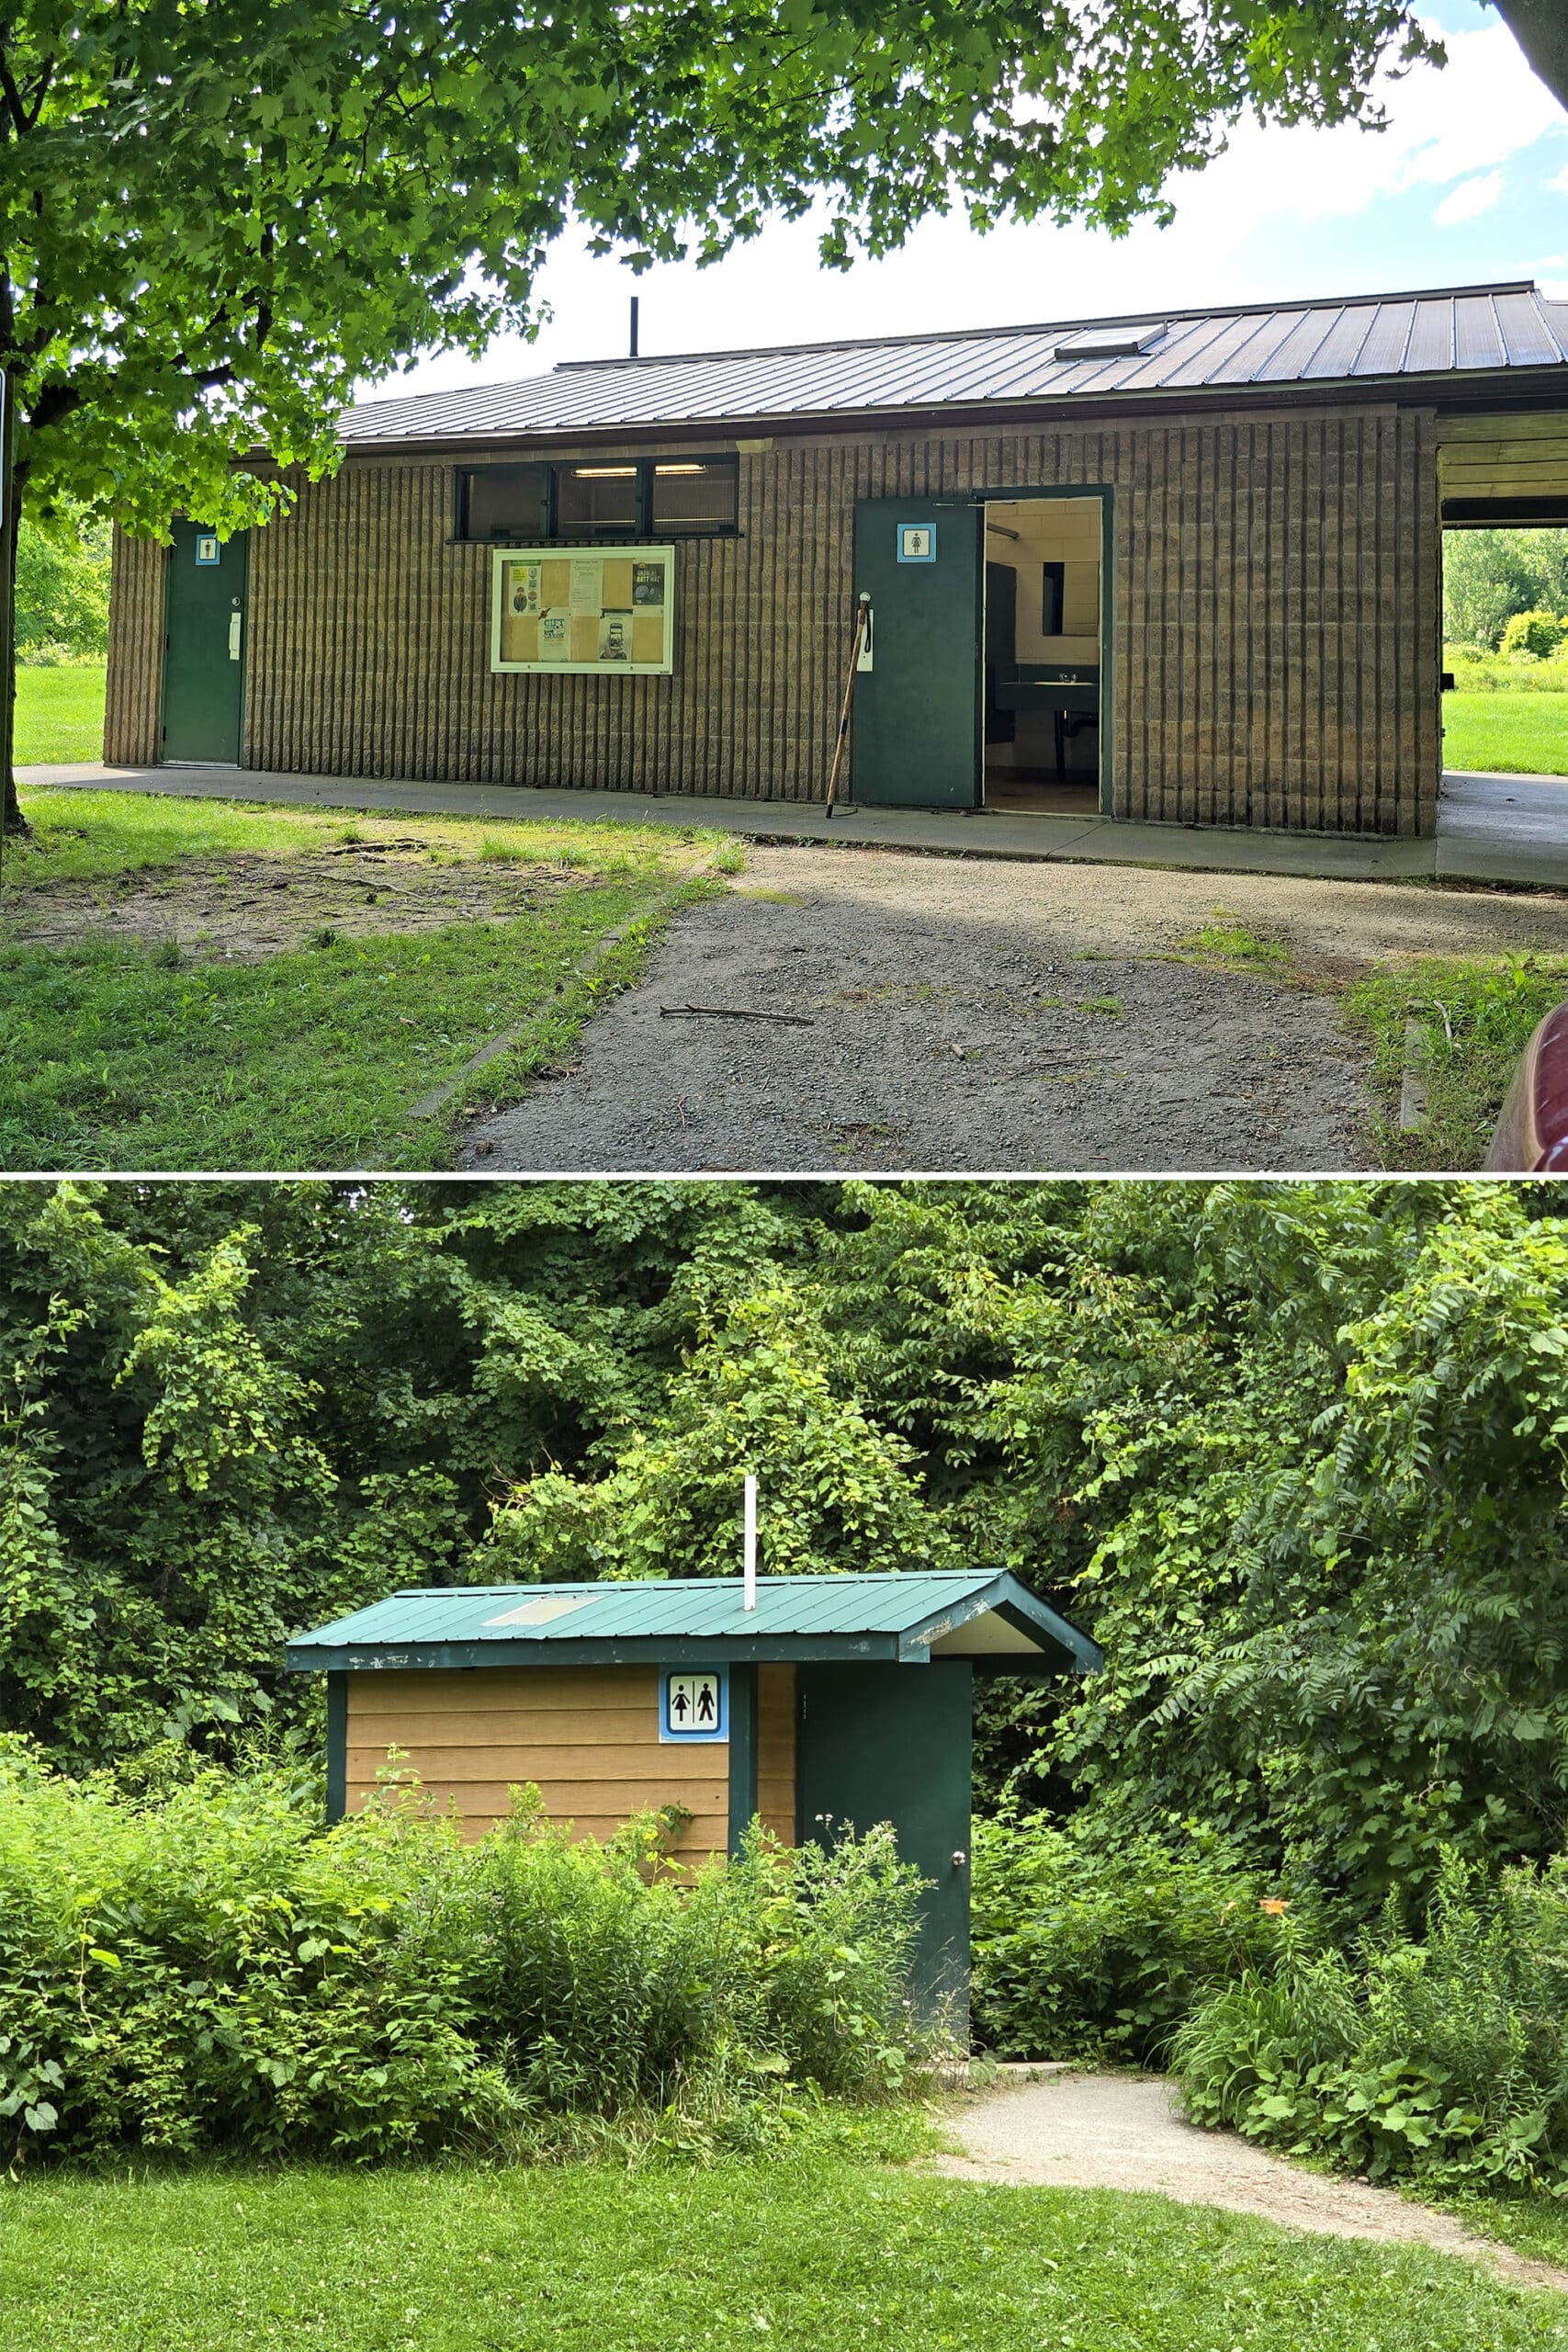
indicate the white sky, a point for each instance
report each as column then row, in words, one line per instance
column 1469, row 182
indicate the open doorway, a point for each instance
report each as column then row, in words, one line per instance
column 1042, row 632
column 1505, row 650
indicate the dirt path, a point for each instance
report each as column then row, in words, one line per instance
column 247, row 905
column 990, row 1015
column 1072, row 2131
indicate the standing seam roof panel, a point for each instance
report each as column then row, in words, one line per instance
column 1527, row 337
column 1555, row 318
column 995, row 364
column 1431, row 338
column 1181, row 348
column 1255, row 355
column 1478, row 339
column 1298, row 351
column 1382, row 353
column 1341, row 347
column 1198, row 354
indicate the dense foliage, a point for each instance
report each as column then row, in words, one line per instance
column 1088, row 1950
column 1490, row 576
column 1292, row 1452
column 1439, row 2057
column 199, row 1967
column 62, row 589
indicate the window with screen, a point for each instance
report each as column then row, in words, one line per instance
column 504, row 503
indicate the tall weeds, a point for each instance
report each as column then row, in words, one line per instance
column 204, row 1968
column 1439, row 2056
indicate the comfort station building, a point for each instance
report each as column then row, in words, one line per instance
column 1184, row 568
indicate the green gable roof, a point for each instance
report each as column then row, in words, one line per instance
column 984, row 1614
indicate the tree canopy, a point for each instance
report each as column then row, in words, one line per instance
column 215, row 219
column 1293, row 1452
column 1488, row 576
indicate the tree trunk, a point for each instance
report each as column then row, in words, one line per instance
column 11, row 818
column 1540, row 27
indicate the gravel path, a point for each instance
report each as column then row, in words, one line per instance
column 1073, row 2130
column 984, row 1015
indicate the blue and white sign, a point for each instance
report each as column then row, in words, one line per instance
column 207, row 547
column 917, row 542
column 693, row 1705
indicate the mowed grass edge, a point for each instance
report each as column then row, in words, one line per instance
column 1507, row 733
column 124, row 1057
column 799, row 2252
column 60, row 714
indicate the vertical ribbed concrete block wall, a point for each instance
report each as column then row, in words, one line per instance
column 1275, row 624
column 133, row 705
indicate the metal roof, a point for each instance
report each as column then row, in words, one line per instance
column 895, row 1617
column 1455, row 332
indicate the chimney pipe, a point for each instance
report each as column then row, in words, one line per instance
column 633, row 352
column 748, row 1587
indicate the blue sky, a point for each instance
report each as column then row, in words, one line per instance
column 1469, row 182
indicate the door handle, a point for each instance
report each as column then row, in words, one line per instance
column 234, row 620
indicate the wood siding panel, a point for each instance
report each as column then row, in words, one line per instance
column 1273, row 652
column 587, row 1736
column 776, row 1750
column 134, row 696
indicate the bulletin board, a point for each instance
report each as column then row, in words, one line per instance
column 592, row 612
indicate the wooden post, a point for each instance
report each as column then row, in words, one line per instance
column 862, row 611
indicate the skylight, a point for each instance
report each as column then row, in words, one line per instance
column 1110, row 343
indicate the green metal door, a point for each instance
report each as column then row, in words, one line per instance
column 916, row 710
column 204, row 646
column 893, row 1743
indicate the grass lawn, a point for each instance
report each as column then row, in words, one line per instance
column 1493, row 1005
column 1520, row 734
column 60, row 715
column 816, row 2253
column 146, row 1052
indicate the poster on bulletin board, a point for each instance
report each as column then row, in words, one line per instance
column 606, row 611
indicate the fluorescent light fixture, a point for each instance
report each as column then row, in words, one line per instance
column 604, row 473
column 680, row 469
column 1112, row 343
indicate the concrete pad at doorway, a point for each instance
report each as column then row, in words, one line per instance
column 1504, row 829
column 1087, row 2131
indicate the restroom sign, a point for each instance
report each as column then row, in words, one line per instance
column 207, row 547
column 917, row 542
column 691, row 1705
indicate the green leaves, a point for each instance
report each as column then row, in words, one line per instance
column 382, row 1989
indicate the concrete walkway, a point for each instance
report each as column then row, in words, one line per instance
column 956, row 833
column 1072, row 2130
column 1490, row 828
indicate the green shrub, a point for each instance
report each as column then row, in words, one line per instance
column 1441, row 2058
column 1536, row 635
column 201, row 1967
column 62, row 591
column 1081, row 1952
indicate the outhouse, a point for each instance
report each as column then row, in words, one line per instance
column 828, row 1698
